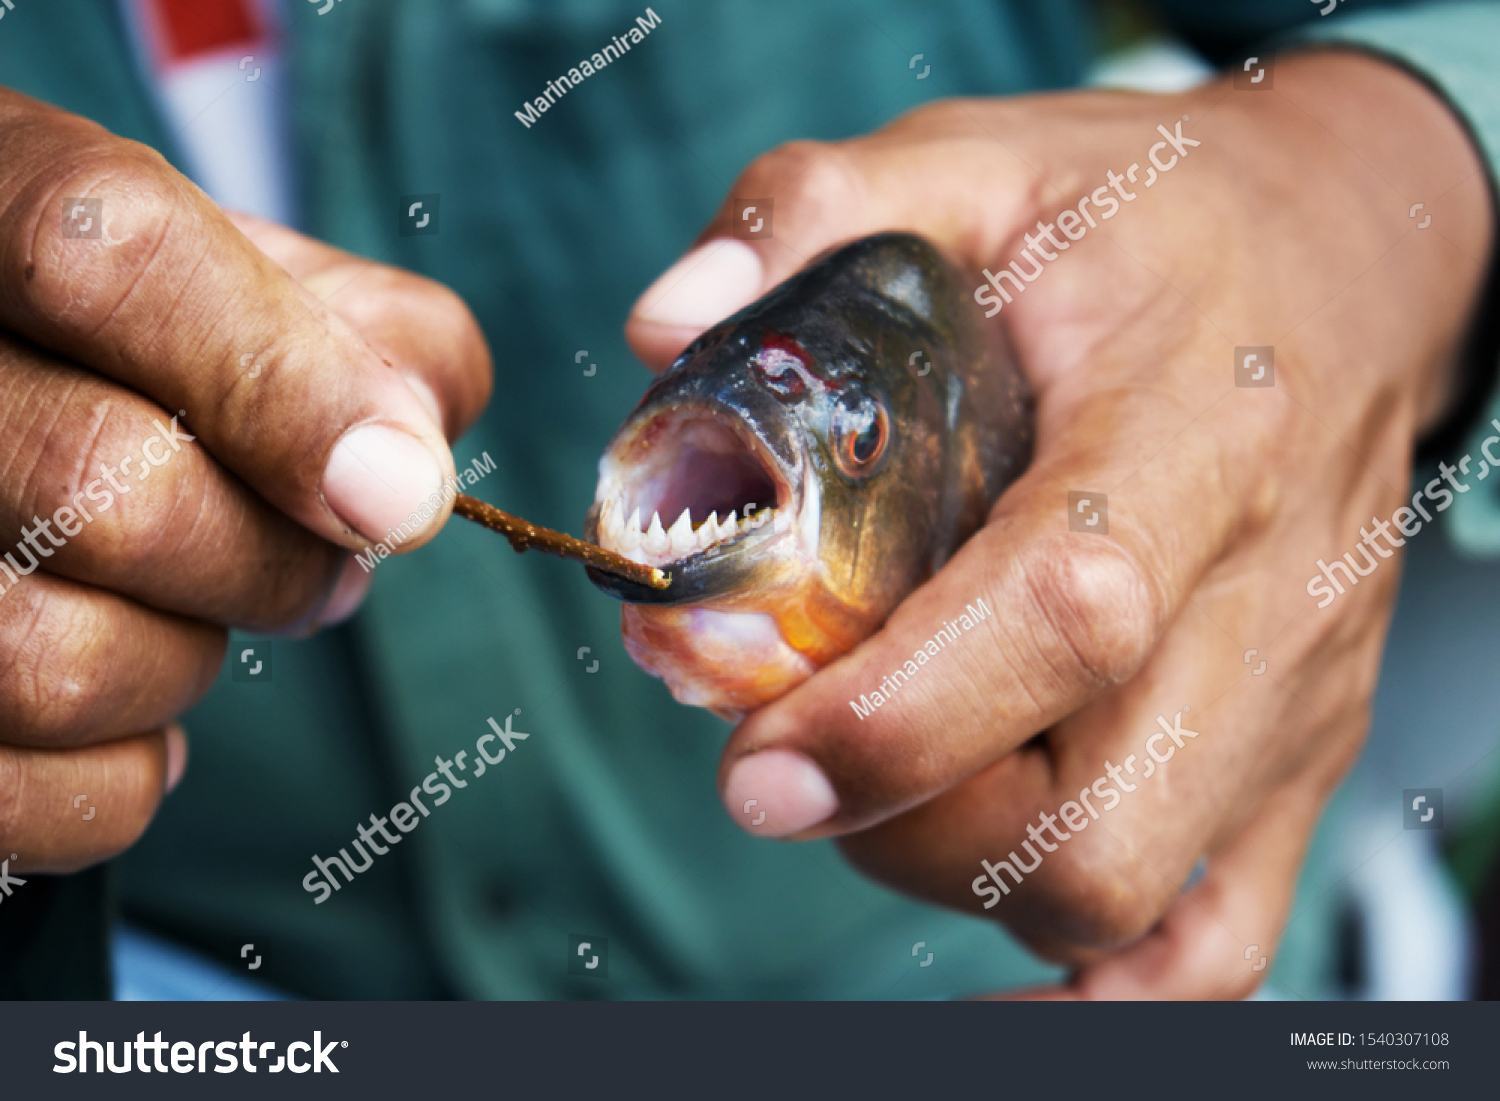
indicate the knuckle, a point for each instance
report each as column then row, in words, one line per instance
column 94, row 464
column 72, row 672
column 128, row 777
column 139, row 197
column 1101, row 903
column 473, row 351
column 55, row 665
column 91, row 426
column 1098, row 611
column 940, row 118
column 777, row 166
column 448, row 312
column 455, row 338
column 812, row 181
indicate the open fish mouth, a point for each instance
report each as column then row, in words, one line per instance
column 689, row 485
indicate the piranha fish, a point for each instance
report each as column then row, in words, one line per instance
column 803, row 466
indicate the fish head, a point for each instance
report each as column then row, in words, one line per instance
column 795, row 472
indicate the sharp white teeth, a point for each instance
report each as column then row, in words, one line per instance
column 611, row 524
column 684, row 539
column 630, row 538
column 655, row 541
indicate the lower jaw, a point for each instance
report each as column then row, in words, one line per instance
column 730, row 662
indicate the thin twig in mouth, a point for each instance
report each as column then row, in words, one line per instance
column 523, row 535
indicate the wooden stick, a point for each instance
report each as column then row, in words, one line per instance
column 524, row 535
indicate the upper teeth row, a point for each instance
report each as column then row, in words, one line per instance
column 679, row 539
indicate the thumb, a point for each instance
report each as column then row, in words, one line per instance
column 800, row 199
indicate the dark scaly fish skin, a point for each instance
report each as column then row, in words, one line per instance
column 798, row 383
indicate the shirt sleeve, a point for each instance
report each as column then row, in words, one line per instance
column 1455, row 47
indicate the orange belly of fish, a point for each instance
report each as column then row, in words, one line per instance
column 730, row 662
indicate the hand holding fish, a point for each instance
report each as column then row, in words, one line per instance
column 1125, row 313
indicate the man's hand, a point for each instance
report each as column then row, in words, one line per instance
column 1275, row 219
column 200, row 418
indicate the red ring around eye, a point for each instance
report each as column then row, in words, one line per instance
column 861, row 436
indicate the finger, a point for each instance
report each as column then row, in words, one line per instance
column 420, row 326
column 84, row 498
column 82, row 666
column 1037, row 620
column 171, row 300
column 64, row 809
column 1082, row 839
column 1217, row 940
column 823, row 194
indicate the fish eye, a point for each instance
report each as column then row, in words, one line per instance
column 860, row 431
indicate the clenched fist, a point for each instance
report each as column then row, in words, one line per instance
column 201, row 416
